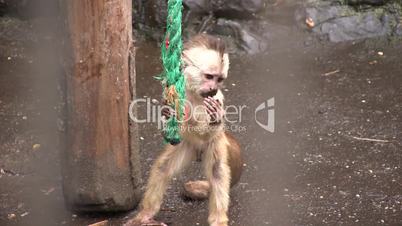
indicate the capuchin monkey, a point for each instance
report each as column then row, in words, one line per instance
column 205, row 67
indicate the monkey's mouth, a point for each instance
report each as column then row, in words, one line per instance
column 209, row 94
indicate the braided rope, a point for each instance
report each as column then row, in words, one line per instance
column 172, row 78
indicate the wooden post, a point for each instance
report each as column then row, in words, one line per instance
column 100, row 163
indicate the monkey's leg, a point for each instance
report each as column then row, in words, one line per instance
column 218, row 174
column 199, row 190
column 170, row 162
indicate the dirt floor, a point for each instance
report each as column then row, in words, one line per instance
column 335, row 157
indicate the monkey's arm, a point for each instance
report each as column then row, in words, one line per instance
column 167, row 112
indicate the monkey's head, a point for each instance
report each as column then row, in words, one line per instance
column 205, row 64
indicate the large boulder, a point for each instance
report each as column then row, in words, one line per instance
column 367, row 2
column 367, row 25
column 198, row 6
column 345, row 23
column 350, row 2
column 150, row 12
column 229, row 6
column 218, row 17
column 12, row 6
column 240, row 35
column 29, row 9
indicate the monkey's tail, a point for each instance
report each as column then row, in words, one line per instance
column 196, row 190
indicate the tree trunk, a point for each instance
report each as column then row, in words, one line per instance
column 100, row 163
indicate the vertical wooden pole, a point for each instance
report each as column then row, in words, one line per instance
column 100, row 171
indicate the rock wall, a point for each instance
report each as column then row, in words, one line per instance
column 244, row 24
column 27, row 9
column 348, row 20
column 229, row 19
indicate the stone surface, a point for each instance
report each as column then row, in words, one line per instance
column 239, row 6
column 199, row 6
column 29, row 8
column 345, row 23
column 367, row 2
column 354, row 27
column 250, row 42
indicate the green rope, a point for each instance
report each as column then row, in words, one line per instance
column 172, row 78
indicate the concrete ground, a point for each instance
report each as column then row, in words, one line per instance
column 335, row 157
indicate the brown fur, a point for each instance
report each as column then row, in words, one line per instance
column 199, row 190
column 221, row 152
column 208, row 42
column 235, row 159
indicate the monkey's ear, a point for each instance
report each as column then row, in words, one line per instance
column 185, row 60
column 226, row 63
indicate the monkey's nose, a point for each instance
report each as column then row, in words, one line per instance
column 212, row 92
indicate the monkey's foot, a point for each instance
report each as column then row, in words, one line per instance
column 219, row 224
column 147, row 222
column 196, row 190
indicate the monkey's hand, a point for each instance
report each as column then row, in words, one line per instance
column 167, row 111
column 214, row 109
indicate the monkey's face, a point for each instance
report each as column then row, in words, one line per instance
column 205, row 70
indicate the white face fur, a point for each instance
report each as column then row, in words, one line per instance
column 205, row 70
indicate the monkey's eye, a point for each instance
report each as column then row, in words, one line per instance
column 220, row 79
column 209, row 77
